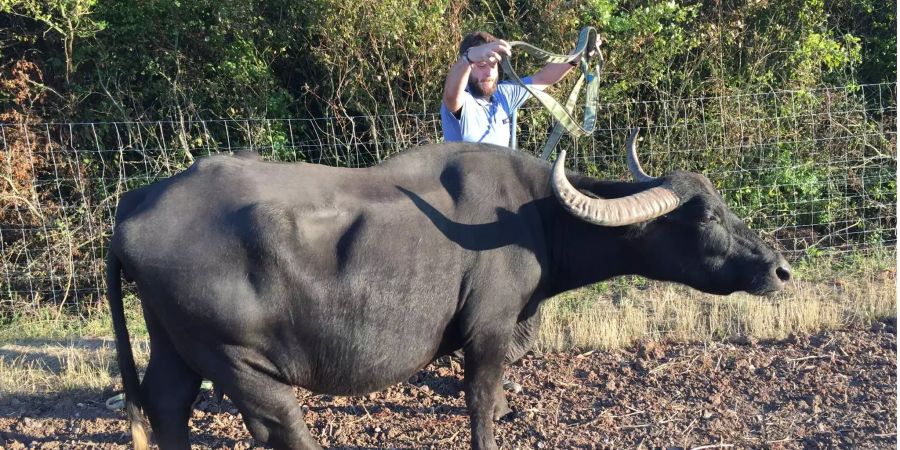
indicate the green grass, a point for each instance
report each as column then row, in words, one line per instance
column 30, row 322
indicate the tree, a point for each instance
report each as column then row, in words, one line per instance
column 70, row 19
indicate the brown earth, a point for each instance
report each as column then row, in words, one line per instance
column 830, row 390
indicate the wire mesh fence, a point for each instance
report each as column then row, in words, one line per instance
column 813, row 171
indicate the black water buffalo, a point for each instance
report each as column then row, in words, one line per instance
column 261, row 276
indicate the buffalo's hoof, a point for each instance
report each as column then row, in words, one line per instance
column 512, row 386
column 503, row 412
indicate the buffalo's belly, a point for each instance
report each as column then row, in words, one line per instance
column 363, row 373
column 374, row 350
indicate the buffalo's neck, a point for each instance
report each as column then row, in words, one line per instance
column 584, row 253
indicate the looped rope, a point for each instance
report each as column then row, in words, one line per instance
column 117, row 402
column 564, row 122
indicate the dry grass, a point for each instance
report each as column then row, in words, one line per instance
column 619, row 314
column 51, row 351
column 36, row 367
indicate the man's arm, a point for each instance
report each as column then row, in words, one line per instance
column 455, row 85
column 550, row 75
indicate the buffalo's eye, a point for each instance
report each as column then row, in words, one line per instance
column 709, row 217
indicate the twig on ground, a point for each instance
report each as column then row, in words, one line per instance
column 367, row 416
column 556, row 414
column 441, row 441
column 712, row 446
column 600, row 416
column 689, row 428
column 564, row 384
column 660, row 367
column 804, row 358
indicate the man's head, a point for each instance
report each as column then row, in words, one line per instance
column 483, row 75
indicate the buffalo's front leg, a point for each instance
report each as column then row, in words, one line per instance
column 483, row 370
column 524, row 335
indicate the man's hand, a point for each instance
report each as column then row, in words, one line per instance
column 595, row 50
column 590, row 52
column 492, row 52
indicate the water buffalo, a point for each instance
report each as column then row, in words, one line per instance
column 261, row 276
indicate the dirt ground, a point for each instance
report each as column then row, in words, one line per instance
column 829, row 390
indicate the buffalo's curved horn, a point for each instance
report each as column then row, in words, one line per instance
column 634, row 165
column 615, row 212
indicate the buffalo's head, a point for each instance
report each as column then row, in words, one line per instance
column 688, row 234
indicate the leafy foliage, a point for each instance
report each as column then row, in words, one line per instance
column 367, row 65
column 164, row 58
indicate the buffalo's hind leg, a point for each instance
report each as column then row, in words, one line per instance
column 270, row 410
column 169, row 389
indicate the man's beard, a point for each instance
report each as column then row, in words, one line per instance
column 477, row 91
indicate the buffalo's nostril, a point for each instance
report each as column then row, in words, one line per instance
column 783, row 273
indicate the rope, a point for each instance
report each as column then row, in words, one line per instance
column 563, row 120
column 117, row 402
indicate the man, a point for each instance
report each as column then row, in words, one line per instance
column 478, row 108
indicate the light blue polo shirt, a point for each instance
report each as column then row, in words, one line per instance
column 486, row 121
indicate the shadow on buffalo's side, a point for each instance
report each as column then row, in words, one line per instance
column 484, row 236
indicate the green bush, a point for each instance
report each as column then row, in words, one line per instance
column 371, row 68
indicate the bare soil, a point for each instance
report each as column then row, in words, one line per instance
column 829, row 390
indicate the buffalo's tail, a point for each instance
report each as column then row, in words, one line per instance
column 127, row 368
